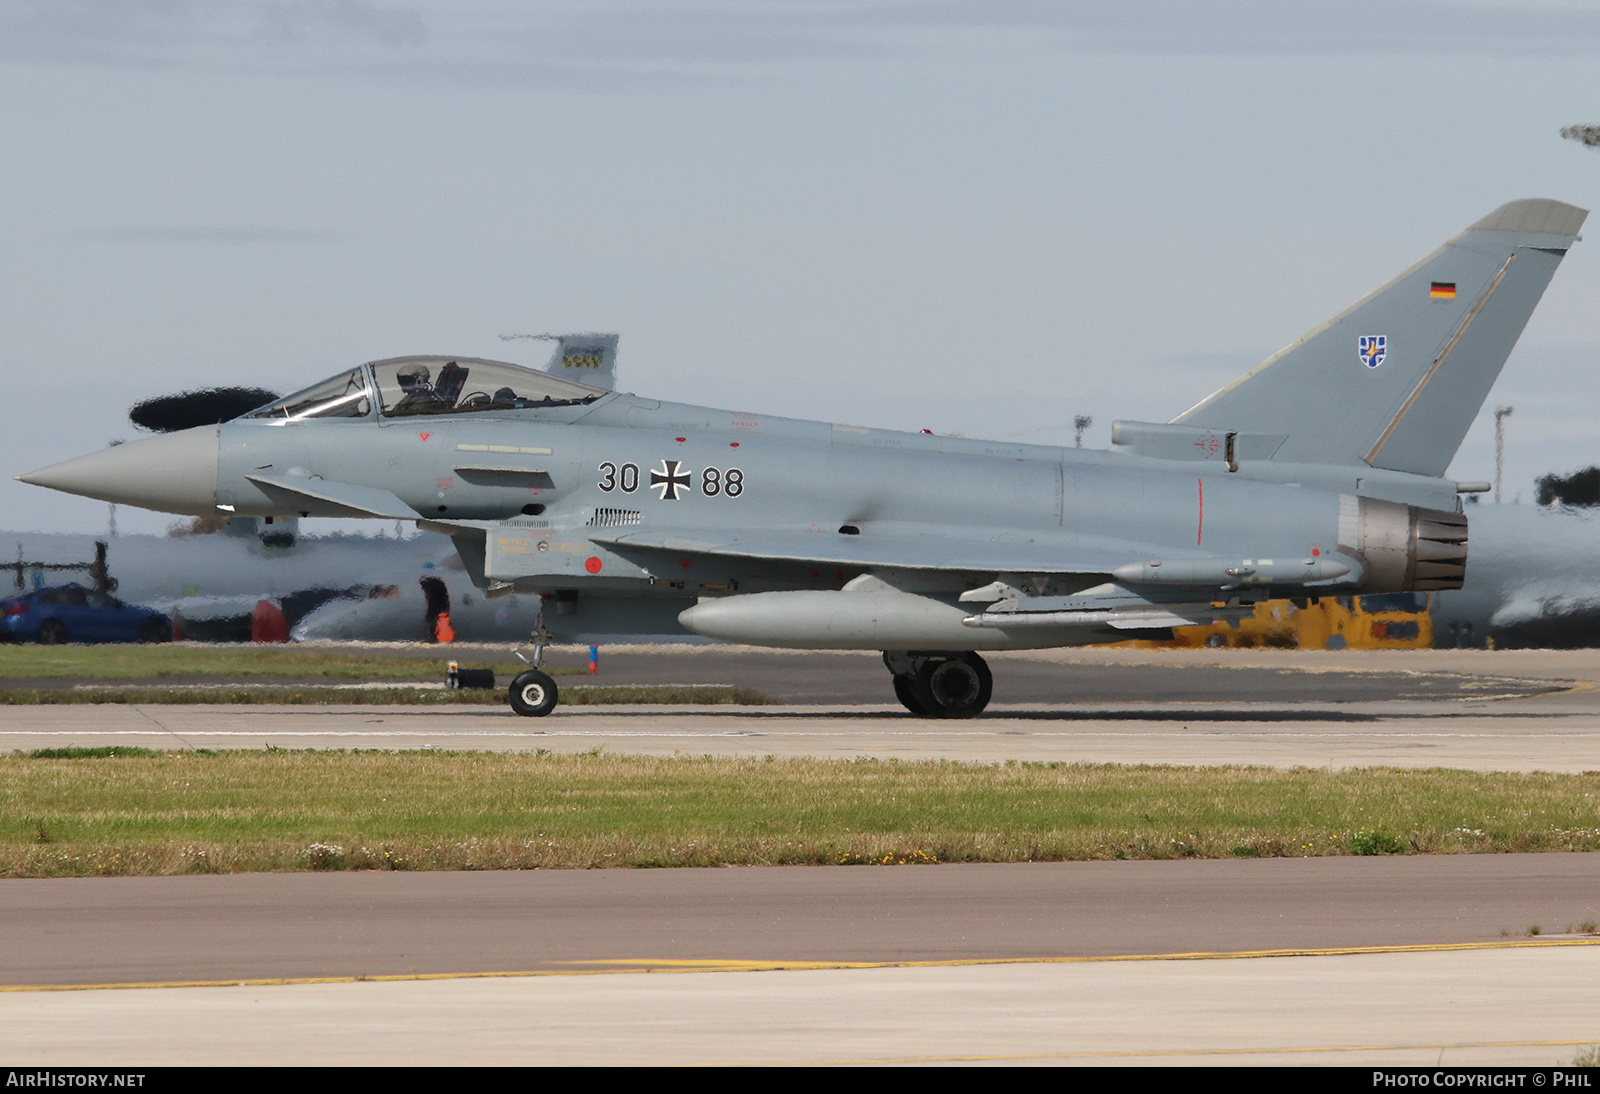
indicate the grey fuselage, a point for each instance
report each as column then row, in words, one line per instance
column 631, row 497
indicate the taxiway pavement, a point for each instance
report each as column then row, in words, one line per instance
column 78, row 931
column 1417, row 961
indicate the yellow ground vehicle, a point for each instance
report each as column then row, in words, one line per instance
column 1391, row 621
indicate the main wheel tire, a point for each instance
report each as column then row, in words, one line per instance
column 52, row 632
column 956, row 688
column 156, row 631
column 533, row 694
column 905, row 690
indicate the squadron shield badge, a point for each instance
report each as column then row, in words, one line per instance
column 1372, row 349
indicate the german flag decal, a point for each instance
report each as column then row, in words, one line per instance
column 1443, row 290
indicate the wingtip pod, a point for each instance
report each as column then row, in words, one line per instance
column 1395, row 380
column 1534, row 216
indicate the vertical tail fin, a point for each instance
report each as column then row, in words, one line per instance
column 588, row 358
column 1396, row 379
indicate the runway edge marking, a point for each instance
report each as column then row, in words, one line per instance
column 627, row 965
column 1167, row 1052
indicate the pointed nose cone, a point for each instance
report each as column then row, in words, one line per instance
column 175, row 472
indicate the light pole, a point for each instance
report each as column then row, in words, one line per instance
column 111, row 527
column 1501, row 413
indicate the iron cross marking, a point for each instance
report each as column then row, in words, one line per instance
column 669, row 479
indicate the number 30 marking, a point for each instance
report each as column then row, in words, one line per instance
column 628, row 480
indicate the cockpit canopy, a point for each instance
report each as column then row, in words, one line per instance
column 341, row 396
column 453, row 385
column 430, row 385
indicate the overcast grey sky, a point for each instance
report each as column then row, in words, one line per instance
column 976, row 217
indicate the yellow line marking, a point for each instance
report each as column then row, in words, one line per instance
column 622, row 964
column 1156, row 1053
column 610, row 966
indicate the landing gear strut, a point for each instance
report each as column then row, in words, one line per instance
column 940, row 685
column 533, row 694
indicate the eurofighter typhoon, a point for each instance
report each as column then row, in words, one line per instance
column 1318, row 472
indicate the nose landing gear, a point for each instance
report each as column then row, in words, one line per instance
column 533, row 694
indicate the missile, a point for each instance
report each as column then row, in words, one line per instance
column 1223, row 573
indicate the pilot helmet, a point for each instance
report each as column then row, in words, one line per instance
column 413, row 377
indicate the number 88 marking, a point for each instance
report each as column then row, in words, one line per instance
column 714, row 482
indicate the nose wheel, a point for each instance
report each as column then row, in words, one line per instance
column 533, row 694
column 940, row 685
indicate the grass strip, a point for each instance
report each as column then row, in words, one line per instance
column 585, row 695
column 129, row 811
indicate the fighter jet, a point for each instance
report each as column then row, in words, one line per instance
column 1318, row 472
column 215, row 587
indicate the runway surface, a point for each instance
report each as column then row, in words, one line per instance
column 1532, row 735
column 1043, row 963
column 1473, row 710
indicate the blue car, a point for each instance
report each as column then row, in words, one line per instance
column 71, row 613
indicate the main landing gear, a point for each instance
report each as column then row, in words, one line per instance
column 533, row 694
column 940, row 685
